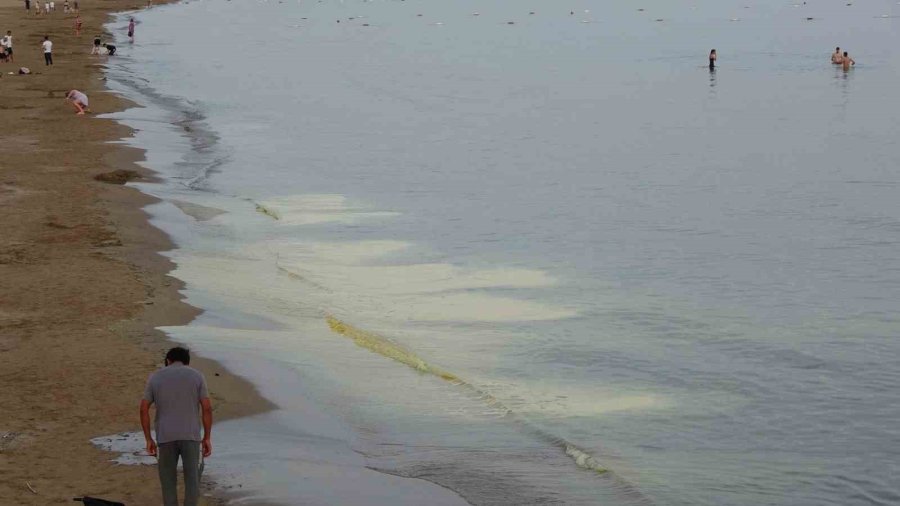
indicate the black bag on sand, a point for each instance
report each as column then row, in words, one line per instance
column 93, row 501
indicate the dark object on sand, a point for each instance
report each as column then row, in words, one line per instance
column 93, row 501
column 119, row 176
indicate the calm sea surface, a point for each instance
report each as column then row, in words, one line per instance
column 480, row 250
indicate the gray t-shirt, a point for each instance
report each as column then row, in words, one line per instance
column 176, row 390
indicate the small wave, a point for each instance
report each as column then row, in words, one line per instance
column 271, row 213
column 387, row 348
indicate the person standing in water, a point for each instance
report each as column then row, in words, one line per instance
column 836, row 56
column 712, row 60
column 131, row 30
column 846, row 61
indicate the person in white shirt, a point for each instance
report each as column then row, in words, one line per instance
column 79, row 100
column 47, row 45
column 7, row 42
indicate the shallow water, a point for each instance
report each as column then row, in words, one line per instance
column 560, row 241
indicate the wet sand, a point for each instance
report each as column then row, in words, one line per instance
column 83, row 285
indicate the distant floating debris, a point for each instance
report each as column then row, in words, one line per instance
column 810, row 19
column 365, row 24
column 476, row 13
column 734, row 19
column 659, row 20
column 641, row 9
column 510, row 22
column 531, row 13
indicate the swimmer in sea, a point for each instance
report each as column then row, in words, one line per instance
column 712, row 60
column 846, row 61
column 836, row 56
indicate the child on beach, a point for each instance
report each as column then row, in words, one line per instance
column 78, row 25
column 7, row 42
column 79, row 100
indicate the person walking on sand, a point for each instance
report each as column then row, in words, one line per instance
column 712, row 60
column 131, row 30
column 66, row 6
column 47, row 46
column 77, row 25
column 27, row 5
column 846, row 61
column 75, row 6
column 836, row 56
column 7, row 41
column 179, row 393
column 79, row 100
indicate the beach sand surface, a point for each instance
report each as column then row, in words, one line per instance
column 83, row 286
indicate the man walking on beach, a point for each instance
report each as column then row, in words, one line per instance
column 48, row 50
column 179, row 393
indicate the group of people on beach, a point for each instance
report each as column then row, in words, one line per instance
column 837, row 58
column 49, row 7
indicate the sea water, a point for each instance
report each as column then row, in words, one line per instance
column 522, row 252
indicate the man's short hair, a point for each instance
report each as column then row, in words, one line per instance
column 179, row 354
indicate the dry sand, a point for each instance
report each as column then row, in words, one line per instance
column 81, row 284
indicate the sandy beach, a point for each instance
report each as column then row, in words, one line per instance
column 83, row 284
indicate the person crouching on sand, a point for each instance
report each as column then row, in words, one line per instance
column 79, row 100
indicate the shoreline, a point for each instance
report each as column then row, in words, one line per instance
column 83, row 268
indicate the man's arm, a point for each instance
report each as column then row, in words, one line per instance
column 145, row 425
column 206, row 406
